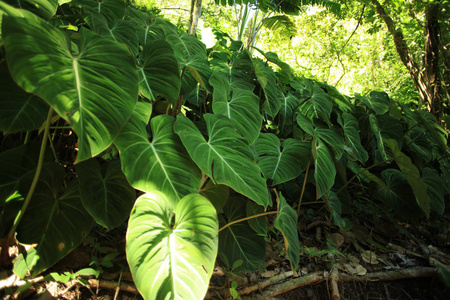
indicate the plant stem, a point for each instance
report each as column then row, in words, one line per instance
column 303, row 188
column 27, row 138
column 36, row 176
column 248, row 218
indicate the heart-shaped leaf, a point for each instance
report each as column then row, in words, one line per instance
column 281, row 162
column 435, row 189
column 267, row 78
column 20, row 111
column 259, row 225
column 399, row 195
column 316, row 103
column 105, row 192
column 288, row 103
column 93, row 85
column 379, row 102
column 379, row 138
column 412, row 175
column 216, row 193
column 351, row 132
column 43, row 8
column 160, row 73
column 226, row 157
column 286, row 222
column 325, row 171
column 57, row 224
column 240, row 106
column 238, row 242
column 162, row 164
column 171, row 249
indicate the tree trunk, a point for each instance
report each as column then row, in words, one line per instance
column 405, row 54
column 196, row 11
column 432, row 67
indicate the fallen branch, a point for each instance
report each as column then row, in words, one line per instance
column 336, row 278
column 111, row 285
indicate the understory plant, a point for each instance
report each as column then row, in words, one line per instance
column 110, row 114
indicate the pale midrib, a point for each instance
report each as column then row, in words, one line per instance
column 78, row 85
column 164, row 170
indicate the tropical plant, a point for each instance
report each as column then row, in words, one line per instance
column 100, row 99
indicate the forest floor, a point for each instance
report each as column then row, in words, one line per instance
column 377, row 259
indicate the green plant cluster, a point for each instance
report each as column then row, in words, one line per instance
column 102, row 102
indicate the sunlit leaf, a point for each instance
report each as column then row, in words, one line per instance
column 93, row 86
column 171, row 249
column 240, row 106
column 159, row 164
column 225, row 157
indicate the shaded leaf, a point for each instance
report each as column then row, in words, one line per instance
column 259, row 225
column 105, row 192
column 435, row 189
column 57, row 224
column 281, row 162
column 238, row 242
column 20, row 111
column 286, row 222
column 352, row 139
column 325, row 171
column 412, row 175
column 216, row 193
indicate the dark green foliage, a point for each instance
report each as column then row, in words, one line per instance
column 187, row 124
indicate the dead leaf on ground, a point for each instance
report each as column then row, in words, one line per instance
column 369, row 257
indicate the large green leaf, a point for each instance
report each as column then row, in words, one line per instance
column 316, row 103
column 93, row 85
column 332, row 138
column 17, row 163
column 56, row 223
column 121, row 31
column 143, row 22
column 161, row 164
column 351, row 132
column 335, row 207
column 435, row 189
column 240, row 106
column 238, row 242
column 110, row 9
column 416, row 140
column 159, row 73
column 412, row 175
column 325, row 170
column 379, row 102
column 398, row 195
column 105, row 192
column 286, row 222
column 258, row 224
column 43, row 8
column 281, row 162
column 171, row 249
column 268, row 80
column 20, row 111
column 226, row 157
column 379, row 138
column 288, row 103
column 390, row 128
column 216, row 193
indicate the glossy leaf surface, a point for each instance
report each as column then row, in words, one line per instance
column 171, row 249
